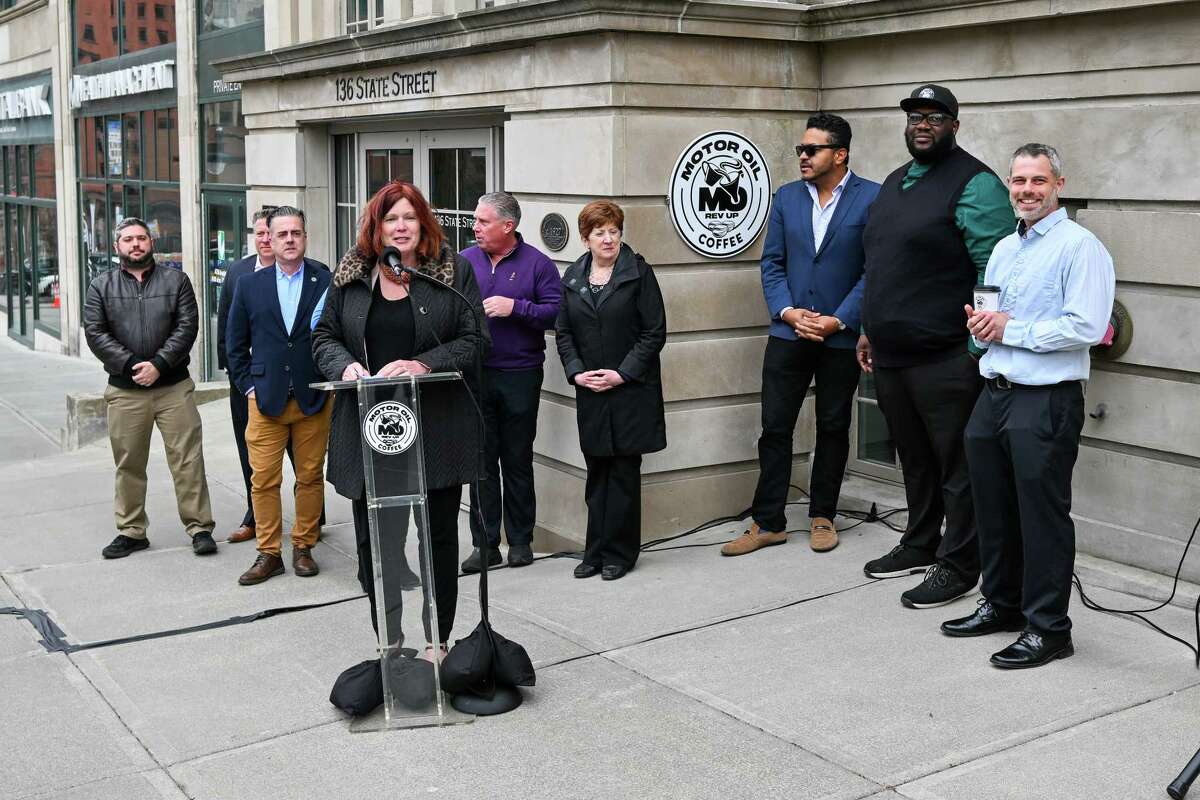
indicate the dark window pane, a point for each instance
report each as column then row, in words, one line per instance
column 162, row 146
column 133, row 202
column 377, row 171
column 443, row 188
column 224, row 143
column 472, row 177
column 95, row 30
column 162, row 214
column 149, row 147
column 93, row 233
column 142, row 32
column 99, row 146
column 8, row 283
column 131, row 134
column 402, row 165
column 25, row 259
column 173, row 152
column 141, row 10
column 43, row 171
column 10, row 170
column 221, row 14
column 46, row 259
column 342, row 164
column 24, row 189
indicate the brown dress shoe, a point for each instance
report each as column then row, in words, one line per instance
column 242, row 534
column 752, row 540
column 265, row 566
column 302, row 562
column 824, row 535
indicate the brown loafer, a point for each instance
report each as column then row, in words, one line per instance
column 302, row 562
column 824, row 535
column 242, row 534
column 751, row 540
column 265, row 566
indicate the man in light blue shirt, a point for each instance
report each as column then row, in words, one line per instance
column 1056, row 285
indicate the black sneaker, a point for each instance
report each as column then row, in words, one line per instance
column 203, row 544
column 901, row 561
column 474, row 562
column 124, row 545
column 520, row 555
column 940, row 586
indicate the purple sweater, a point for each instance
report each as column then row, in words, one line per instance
column 531, row 279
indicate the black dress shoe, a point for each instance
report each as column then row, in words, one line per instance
column 124, row 545
column 474, row 562
column 1033, row 650
column 203, row 544
column 985, row 620
column 612, row 572
column 520, row 555
column 586, row 570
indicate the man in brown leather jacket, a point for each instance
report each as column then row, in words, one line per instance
column 141, row 320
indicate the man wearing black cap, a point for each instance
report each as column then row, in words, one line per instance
column 927, row 243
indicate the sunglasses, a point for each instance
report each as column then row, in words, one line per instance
column 935, row 119
column 810, row 150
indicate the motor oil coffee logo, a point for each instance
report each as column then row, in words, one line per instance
column 720, row 194
column 390, row 428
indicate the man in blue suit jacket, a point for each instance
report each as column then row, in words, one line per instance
column 812, row 275
column 269, row 342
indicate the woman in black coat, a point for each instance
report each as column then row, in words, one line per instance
column 611, row 327
column 379, row 321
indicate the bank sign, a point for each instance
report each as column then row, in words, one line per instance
column 720, row 193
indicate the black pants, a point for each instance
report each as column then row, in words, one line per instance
column 1021, row 447
column 614, row 501
column 442, row 505
column 788, row 369
column 239, row 410
column 510, row 409
column 927, row 407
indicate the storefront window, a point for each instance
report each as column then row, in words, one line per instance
column 43, row 172
column 110, row 28
column 162, row 214
column 49, row 300
column 29, row 237
column 224, row 143
column 218, row 15
column 93, row 230
column 96, row 27
column 132, row 135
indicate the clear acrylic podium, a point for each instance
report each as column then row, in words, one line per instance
column 389, row 411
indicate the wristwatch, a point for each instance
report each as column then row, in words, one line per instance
column 841, row 325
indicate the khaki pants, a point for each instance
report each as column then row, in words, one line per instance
column 266, row 441
column 132, row 415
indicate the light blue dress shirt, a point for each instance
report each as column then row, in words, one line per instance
column 1057, row 283
column 289, row 288
column 821, row 217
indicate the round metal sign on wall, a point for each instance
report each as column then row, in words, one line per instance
column 720, row 194
column 555, row 232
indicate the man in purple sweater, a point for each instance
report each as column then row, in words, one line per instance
column 520, row 287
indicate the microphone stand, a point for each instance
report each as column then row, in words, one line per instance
column 1179, row 787
column 506, row 698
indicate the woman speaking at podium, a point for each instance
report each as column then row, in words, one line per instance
column 380, row 320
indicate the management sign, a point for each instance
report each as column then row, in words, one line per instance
column 131, row 80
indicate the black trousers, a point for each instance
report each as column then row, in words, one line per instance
column 510, row 408
column 927, row 407
column 788, row 369
column 442, row 506
column 613, row 494
column 239, row 410
column 1021, row 447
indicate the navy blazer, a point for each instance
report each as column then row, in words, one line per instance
column 828, row 280
column 233, row 273
column 265, row 357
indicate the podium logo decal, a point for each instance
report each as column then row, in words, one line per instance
column 390, row 428
column 720, row 193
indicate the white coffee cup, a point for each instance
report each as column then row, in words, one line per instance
column 987, row 298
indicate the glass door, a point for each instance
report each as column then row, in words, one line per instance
column 873, row 452
column 458, row 175
column 228, row 240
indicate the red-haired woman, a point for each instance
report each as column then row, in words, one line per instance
column 378, row 321
column 611, row 327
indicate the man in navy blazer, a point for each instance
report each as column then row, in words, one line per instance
column 812, row 275
column 269, row 343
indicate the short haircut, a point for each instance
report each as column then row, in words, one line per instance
column 598, row 213
column 262, row 214
column 370, row 225
column 286, row 211
column 837, row 128
column 130, row 222
column 505, row 204
column 1033, row 150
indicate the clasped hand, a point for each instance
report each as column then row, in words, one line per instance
column 599, row 380
column 809, row 324
column 986, row 326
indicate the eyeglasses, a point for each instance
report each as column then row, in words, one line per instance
column 810, row 150
column 935, row 119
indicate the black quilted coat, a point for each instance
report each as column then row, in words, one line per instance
column 445, row 341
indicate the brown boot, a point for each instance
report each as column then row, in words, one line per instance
column 302, row 562
column 752, row 540
column 243, row 534
column 265, row 566
column 823, row 537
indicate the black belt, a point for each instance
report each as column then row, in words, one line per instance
column 1003, row 383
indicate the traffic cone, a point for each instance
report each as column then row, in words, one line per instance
column 57, row 301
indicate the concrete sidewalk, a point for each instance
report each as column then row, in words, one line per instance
column 783, row 674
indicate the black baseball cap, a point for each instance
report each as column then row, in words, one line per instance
column 930, row 94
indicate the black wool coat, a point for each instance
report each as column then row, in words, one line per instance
column 624, row 329
column 445, row 340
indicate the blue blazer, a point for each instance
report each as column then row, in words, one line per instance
column 828, row 280
column 264, row 356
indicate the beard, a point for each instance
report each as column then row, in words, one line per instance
column 138, row 264
column 936, row 152
column 1030, row 216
